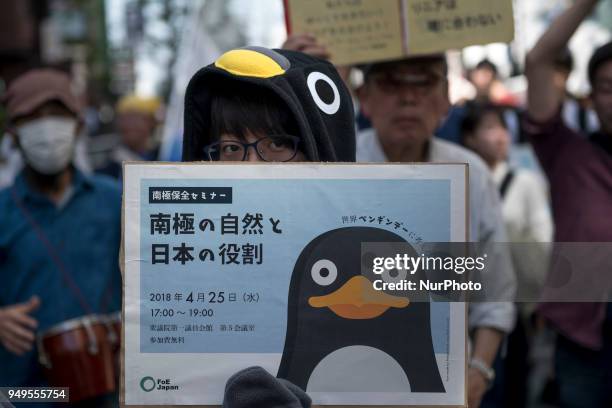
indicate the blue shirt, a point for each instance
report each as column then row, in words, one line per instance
column 85, row 234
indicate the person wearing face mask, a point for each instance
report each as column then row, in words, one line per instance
column 59, row 228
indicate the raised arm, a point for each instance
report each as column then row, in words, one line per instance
column 543, row 100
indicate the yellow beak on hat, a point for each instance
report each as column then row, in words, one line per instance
column 251, row 63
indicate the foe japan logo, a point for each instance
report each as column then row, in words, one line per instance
column 148, row 384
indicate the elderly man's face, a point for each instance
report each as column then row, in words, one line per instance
column 406, row 101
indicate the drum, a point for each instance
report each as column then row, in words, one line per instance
column 79, row 354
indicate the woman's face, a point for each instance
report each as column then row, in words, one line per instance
column 269, row 148
column 491, row 140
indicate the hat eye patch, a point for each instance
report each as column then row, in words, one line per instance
column 324, row 92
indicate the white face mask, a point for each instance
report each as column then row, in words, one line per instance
column 48, row 143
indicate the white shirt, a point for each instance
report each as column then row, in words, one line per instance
column 486, row 225
column 528, row 220
column 525, row 205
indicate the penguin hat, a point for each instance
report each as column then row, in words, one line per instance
column 252, row 93
column 332, row 304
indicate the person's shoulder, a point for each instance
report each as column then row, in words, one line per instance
column 111, row 169
column 9, row 215
column 444, row 151
column 5, row 200
column 368, row 147
column 6, row 197
column 365, row 135
column 529, row 178
column 5, row 193
column 523, row 173
column 106, row 194
column 105, row 184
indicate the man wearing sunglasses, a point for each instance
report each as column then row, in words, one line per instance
column 406, row 101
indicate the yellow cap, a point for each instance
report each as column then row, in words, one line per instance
column 135, row 103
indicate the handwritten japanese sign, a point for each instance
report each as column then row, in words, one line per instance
column 210, row 282
column 354, row 30
column 359, row 31
column 437, row 25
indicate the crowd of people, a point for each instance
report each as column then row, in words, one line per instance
column 60, row 222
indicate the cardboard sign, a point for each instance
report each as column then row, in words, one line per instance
column 230, row 266
column 361, row 31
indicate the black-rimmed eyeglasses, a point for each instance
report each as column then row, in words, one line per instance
column 273, row 148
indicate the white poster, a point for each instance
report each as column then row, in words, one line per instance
column 231, row 266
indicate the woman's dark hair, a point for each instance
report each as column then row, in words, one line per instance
column 240, row 108
column 487, row 64
column 601, row 55
column 474, row 115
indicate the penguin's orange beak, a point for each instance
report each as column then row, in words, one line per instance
column 357, row 299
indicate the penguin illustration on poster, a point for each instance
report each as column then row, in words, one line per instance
column 332, row 305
